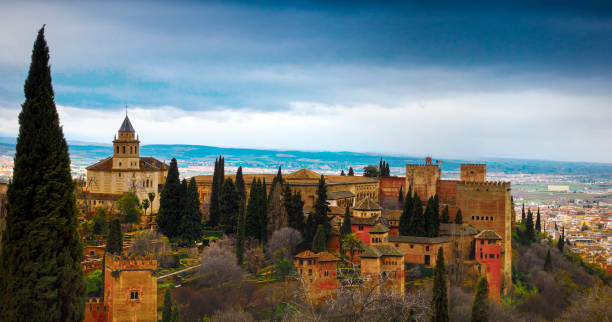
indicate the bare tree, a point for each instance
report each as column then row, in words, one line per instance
column 254, row 257
column 287, row 238
column 219, row 264
column 232, row 315
column 149, row 242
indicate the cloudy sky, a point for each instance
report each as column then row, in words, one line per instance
column 527, row 80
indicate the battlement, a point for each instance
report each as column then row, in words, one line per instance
column 421, row 166
column 473, row 165
column 473, row 172
column 499, row 186
column 116, row 263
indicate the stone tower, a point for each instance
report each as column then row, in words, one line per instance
column 126, row 148
column 474, row 172
column 423, row 178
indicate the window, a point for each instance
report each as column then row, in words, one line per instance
column 360, row 227
column 326, row 273
column 491, row 256
column 133, row 295
column 481, row 242
column 477, row 217
column 481, row 254
column 426, row 248
column 472, row 217
column 310, row 272
column 124, row 149
column 301, row 261
column 411, row 246
column 491, row 218
column 117, row 149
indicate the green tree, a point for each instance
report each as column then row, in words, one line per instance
column 252, row 220
column 100, row 224
column 277, row 210
column 129, row 208
column 400, row 196
column 114, row 243
column 240, row 185
column 229, row 206
column 523, row 214
column 170, row 308
column 319, row 242
column 432, row 218
column 548, row 262
column 346, row 227
column 342, row 173
column 371, row 171
column 406, row 216
column 151, row 196
column 94, row 283
column 480, row 307
column 561, row 242
column 459, row 217
column 191, row 229
column 40, row 257
column 439, row 300
column 351, row 243
column 529, row 231
column 351, row 172
column 263, row 212
column 294, row 206
column 538, row 224
column 215, row 193
column 240, row 235
column 168, row 218
column 145, row 205
column 444, row 218
column 418, row 224
column 319, row 217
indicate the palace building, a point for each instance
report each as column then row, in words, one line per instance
column 124, row 171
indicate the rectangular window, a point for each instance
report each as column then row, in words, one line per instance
column 326, row 273
column 491, row 256
column 481, row 242
column 472, row 217
column 133, row 295
column 360, row 227
column 426, row 248
column 411, row 246
column 310, row 272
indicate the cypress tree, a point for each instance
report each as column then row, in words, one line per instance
column 439, row 300
column 169, row 205
column 252, row 212
column 114, row 243
column 561, row 242
column 229, row 206
column 523, row 214
column 294, row 206
column 319, row 242
column 191, row 229
column 418, row 225
column 342, row 173
column 529, row 231
column 40, row 258
column 445, row 219
column 538, row 224
column 277, row 210
column 170, row 312
column 240, row 186
column 400, row 196
column 263, row 212
column 217, row 185
column 459, row 217
column 480, row 307
column 548, row 262
column 319, row 217
column 351, row 172
column 346, row 227
column 406, row 216
column 240, row 235
column 428, row 215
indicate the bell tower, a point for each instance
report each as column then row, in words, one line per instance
column 126, row 146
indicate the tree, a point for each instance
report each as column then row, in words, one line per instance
column 129, row 207
column 263, row 211
column 459, row 217
column 529, row 231
column 40, row 257
column 114, row 243
column 445, row 219
column 480, row 307
column 548, row 262
column 100, row 224
column 319, row 242
column 252, row 220
column 351, row 243
column 432, row 217
column 371, row 171
column 294, row 206
column 217, row 184
column 346, row 227
column 170, row 311
column 240, row 185
column 319, row 217
column 168, row 218
column 219, row 265
column 561, row 242
column 151, row 196
column 406, row 216
column 439, row 300
column 418, row 224
column 229, row 206
column 191, row 226
column 285, row 238
column 342, row 173
column 240, row 235
column 145, row 205
column 277, row 210
column 351, row 172
column 400, row 196
column 523, row 214
column 538, row 225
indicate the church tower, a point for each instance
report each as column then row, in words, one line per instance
column 126, row 154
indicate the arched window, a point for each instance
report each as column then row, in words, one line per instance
column 117, row 149
column 124, row 149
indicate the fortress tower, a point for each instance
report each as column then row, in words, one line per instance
column 473, row 172
column 423, row 178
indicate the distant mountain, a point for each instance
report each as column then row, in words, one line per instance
column 199, row 158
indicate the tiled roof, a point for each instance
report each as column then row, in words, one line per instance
column 367, row 204
column 377, row 251
column 488, row 234
column 363, row 221
column 391, row 214
column 322, row 256
column 146, row 163
column 126, row 126
column 419, row 240
column 335, row 195
column 304, row 174
column 457, row 229
column 379, row 229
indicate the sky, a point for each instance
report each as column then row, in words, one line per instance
column 524, row 79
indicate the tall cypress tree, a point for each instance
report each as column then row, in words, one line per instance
column 170, row 312
column 548, row 262
column 217, row 185
column 240, row 186
column 319, row 217
column 400, row 196
column 342, row 173
column 40, row 260
column 418, row 225
column 406, row 216
column 191, row 225
column 294, row 206
column 346, row 227
column 114, row 243
column 277, row 212
column 439, row 300
column 480, row 307
column 351, row 172
column 523, row 214
column 170, row 204
column 529, row 231
column 319, row 242
column 252, row 212
column 229, row 206
column 561, row 242
column 240, row 235
column 263, row 212
column 445, row 219
column 459, row 217
column 538, row 224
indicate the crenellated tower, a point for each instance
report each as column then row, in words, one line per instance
column 473, row 172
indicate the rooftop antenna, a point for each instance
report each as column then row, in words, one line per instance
column 126, row 110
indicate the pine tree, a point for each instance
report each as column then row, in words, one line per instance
column 439, row 300
column 114, row 243
column 240, row 235
column 240, row 185
column 342, row 173
column 40, row 257
column 548, row 262
column 529, row 231
column 191, row 229
column 480, row 307
column 229, row 206
column 459, row 217
column 252, row 228
column 351, row 172
column 538, row 225
column 561, row 242
column 400, row 196
column 319, row 217
column 169, row 205
column 319, row 242
column 523, row 214
column 405, row 223
column 445, row 219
